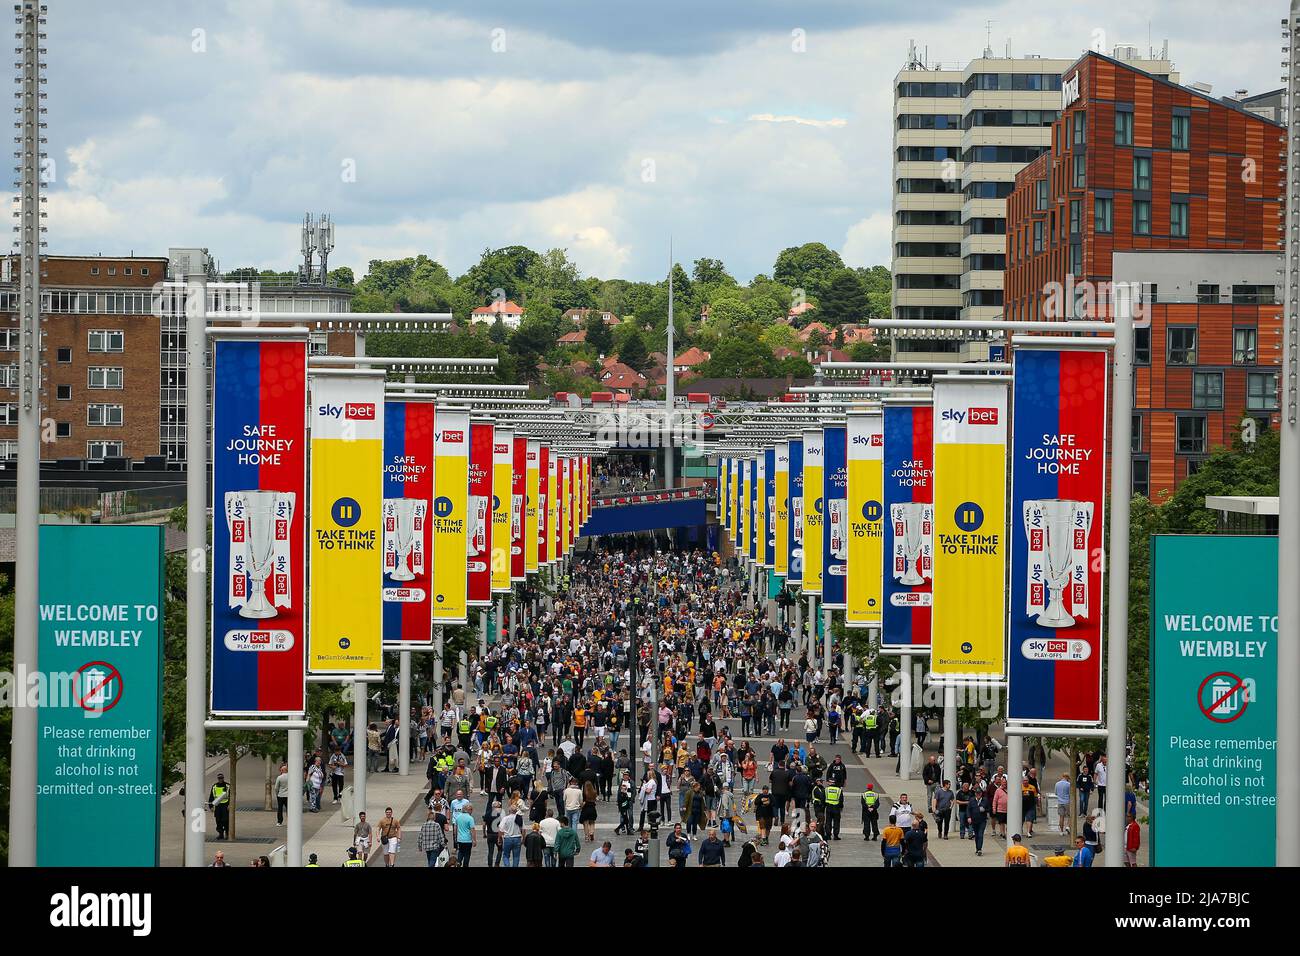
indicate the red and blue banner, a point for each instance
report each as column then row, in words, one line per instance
column 767, row 552
column 1058, row 479
column 835, row 519
column 408, row 530
column 518, row 497
column 909, row 526
column 259, row 480
column 794, row 509
column 478, row 559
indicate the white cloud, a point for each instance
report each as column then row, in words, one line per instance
column 867, row 241
column 802, row 121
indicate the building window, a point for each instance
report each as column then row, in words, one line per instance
column 9, row 340
column 1076, row 259
column 1142, row 477
column 63, row 429
column 9, row 376
column 65, row 355
column 1040, row 194
column 1261, row 391
column 1038, row 237
column 1180, row 134
column 144, row 270
column 100, row 377
column 94, row 270
column 1123, row 126
column 99, row 450
column 1075, row 206
column 1141, row 217
column 318, row 343
column 1182, row 345
column 1103, row 213
column 1254, row 295
column 64, row 393
column 1142, row 172
column 1194, row 465
column 1178, row 212
column 1142, row 345
column 8, row 413
column 1243, row 346
column 106, row 340
column 1191, row 434
column 1080, row 170
column 1207, row 390
column 1207, row 293
column 1080, row 128
column 105, row 415
column 1135, row 443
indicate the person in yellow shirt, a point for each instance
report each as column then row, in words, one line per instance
column 1017, row 855
column 1059, row 858
column 891, row 844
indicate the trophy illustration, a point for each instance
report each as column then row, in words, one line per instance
column 516, row 517
column 837, row 508
column 911, row 520
column 259, row 523
column 1057, row 564
column 476, row 540
column 404, row 537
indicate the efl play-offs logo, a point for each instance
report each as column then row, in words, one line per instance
column 453, row 437
column 972, row 416
column 1054, row 649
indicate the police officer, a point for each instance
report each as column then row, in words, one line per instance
column 463, row 730
column 311, row 861
column 834, row 808
column 219, row 804
column 870, row 814
column 871, row 723
column 819, row 803
column 352, row 860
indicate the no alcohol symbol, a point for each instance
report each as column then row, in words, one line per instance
column 99, row 686
column 1223, row 696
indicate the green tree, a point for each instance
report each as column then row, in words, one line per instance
column 781, row 336
column 711, row 272
column 808, row 267
column 844, row 302
column 869, row 352
column 503, row 269
column 599, row 337
column 741, row 356
column 633, row 352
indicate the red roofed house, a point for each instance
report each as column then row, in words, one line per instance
column 689, row 359
column 509, row 312
column 618, row 376
column 574, row 338
column 784, row 353
column 580, row 316
column 829, row 355
column 800, row 309
column 807, row 331
column 853, row 334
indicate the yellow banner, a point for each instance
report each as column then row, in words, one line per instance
column 968, row 621
column 814, row 469
column 450, row 516
column 742, row 490
column 532, row 489
column 864, row 580
column 503, row 456
column 781, row 520
column 347, row 522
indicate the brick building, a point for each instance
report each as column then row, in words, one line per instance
column 113, row 378
column 1139, row 165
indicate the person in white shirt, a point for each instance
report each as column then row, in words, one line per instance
column 549, row 828
column 782, row 857
column 1099, row 781
column 903, row 813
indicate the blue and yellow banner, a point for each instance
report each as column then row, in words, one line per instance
column 768, row 549
column 968, row 625
column 345, row 638
column 794, row 545
column 781, row 503
column 909, row 526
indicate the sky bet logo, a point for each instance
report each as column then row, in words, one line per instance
column 352, row 411
column 453, row 437
column 872, row 441
column 973, row 416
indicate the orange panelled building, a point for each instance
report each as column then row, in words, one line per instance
column 1153, row 183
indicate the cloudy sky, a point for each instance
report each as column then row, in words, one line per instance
column 447, row 126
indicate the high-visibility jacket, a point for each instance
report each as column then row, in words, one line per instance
column 833, row 796
column 463, row 727
column 869, row 801
column 354, row 862
column 490, row 723
column 871, row 721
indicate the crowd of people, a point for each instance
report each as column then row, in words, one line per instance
column 637, row 698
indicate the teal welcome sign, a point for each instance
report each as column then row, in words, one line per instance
column 1213, row 700
column 100, row 650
